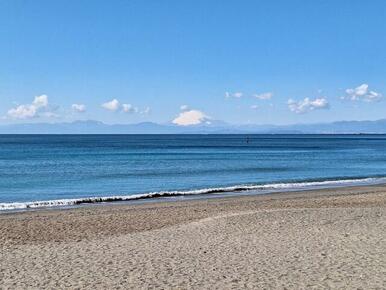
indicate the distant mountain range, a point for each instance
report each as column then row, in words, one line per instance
column 216, row 127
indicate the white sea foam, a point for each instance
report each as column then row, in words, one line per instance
column 229, row 189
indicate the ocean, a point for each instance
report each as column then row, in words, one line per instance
column 59, row 170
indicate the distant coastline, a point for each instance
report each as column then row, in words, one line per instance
column 215, row 127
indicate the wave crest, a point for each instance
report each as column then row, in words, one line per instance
column 264, row 188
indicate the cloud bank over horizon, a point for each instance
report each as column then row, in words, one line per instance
column 41, row 108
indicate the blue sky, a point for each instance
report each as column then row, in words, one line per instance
column 278, row 62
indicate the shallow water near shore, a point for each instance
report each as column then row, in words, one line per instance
column 56, row 170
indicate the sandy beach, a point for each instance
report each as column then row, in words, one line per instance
column 332, row 238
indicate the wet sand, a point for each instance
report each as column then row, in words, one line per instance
column 333, row 238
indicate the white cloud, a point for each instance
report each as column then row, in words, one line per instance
column 128, row 108
column 146, row 111
column 191, row 117
column 254, row 107
column 79, row 108
column 234, row 95
column 238, row 95
column 115, row 106
column 38, row 108
column 264, row 96
column 40, row 101
column 22, row 112
column 363, row 93
column 112, row 105
column 307, row 105
column 184, row 108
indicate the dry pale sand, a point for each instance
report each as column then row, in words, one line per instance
column 316, row 239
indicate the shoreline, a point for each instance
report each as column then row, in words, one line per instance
column 326, row 238
column 272, row 200
column 203, row 193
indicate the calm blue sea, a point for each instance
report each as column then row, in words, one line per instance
column 72, row 168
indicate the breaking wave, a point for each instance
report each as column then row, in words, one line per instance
column 261, row 188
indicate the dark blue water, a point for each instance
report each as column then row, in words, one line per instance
column 52, row 167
